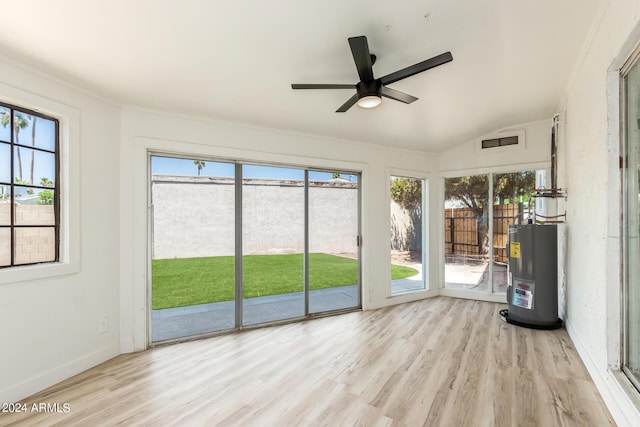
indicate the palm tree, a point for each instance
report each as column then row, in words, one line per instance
column 46, row 182
column 199, row 164
column 33, row 144
column 19, row 122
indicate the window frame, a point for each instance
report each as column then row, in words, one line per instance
column 13, row 226
column 425, row 177
column 625, row 335
column 68, row 193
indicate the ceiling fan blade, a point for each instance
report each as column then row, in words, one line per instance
column 417, row 68
column 350, row 103
column 362, row 57
column 397, row 95
column 321, row 86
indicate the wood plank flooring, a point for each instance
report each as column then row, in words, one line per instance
column 436, row 362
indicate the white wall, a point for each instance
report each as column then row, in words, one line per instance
column 588, row 156
column 467, row 158
column 49, row 326
column 146, row 130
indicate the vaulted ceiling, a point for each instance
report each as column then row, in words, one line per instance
column 235, row 60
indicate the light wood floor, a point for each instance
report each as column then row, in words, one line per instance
column 438, row 362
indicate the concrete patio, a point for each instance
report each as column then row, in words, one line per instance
column 179, row 322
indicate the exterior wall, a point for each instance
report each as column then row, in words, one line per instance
column 273, row 217
column 589, row 150
column 32, row 244
column 333, row 219
column 194, row 217
column 192, row 220
column 406, row 228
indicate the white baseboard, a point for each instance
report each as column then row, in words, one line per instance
column 478, row 296
column 40, row 381
column 617, row 392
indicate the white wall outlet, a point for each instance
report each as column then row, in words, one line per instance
column 103, row 325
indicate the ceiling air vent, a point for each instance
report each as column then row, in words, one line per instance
column 499, row 142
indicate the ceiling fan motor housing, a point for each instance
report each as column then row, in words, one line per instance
column 368, row 88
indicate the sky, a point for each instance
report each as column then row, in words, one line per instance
column 44, row 163
column 178, row 166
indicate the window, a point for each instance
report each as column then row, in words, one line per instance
column 29, row 194
column 407, row 214
column 631, row 225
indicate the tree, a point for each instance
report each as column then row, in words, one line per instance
column 406, row 192
column 199, row 164
column 335, row 175
column 514, row 186
column 19, row 122
column 19, row 181
column 46, row 197
column 473, row 192
column 33, row 145
column 46, row 182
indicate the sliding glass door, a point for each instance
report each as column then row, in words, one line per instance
column 193, row 247
column 478, row 212
column 512, row 204
column 272, row 243
column 333, row 241
column 236, row 245
column 466, row 226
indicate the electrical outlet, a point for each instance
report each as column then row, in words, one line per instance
column 103, row 325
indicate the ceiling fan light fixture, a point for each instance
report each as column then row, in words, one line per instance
column 369, row 90
column 370, row 101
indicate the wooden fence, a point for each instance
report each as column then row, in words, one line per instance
column 467, row 234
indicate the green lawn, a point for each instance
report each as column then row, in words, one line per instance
column 188, row 281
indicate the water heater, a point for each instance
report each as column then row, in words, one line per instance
column 532, row 291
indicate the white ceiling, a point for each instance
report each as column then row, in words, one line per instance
column 235, row 60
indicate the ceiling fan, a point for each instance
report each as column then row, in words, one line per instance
column 369, row 90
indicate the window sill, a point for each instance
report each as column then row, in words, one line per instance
column 35, row 272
